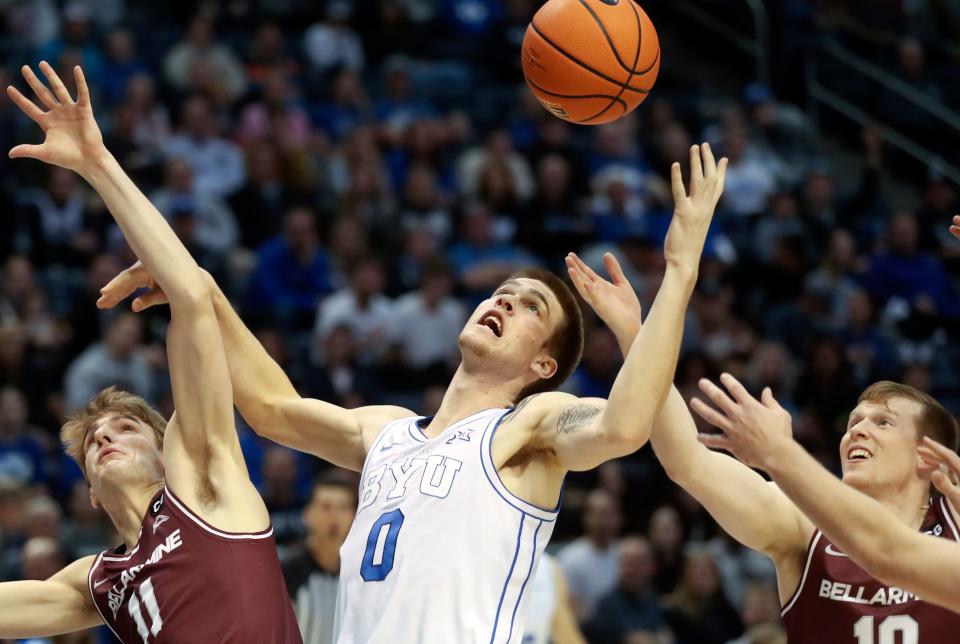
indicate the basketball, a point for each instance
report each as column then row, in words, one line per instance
column 590, row 61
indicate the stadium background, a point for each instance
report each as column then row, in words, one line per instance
column 358, row 174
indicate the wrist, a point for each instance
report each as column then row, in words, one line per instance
column 683, row 269
column 781, row 451
column 96, row 164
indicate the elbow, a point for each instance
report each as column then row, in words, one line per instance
column 625, row 440
column 192, row 297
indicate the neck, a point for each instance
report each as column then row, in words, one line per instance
column 469, row 393
column 126, row 506
column 325, row 551
column 909, row 502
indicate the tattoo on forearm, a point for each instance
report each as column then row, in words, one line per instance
column 519, row 407
column 576, row 417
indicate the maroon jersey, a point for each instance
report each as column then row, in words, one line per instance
column 186, row 582
column 839, row 602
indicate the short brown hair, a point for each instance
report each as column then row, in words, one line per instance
column 566, row 343
column 933, row 420
column 110, row 401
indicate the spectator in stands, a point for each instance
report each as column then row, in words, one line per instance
column 426, row 325
column 424, row 204
column 291, row 274
column 346, row 108
column 151, row 118
column 479, row 259
column 697, row 611
column 312, row 569
column 631, row 612
column 278, row 486
column 835, row 279
column 118, row 360
column 339, row 378
column 497, row 148
column 262, row 201
column 61, row 225
column 121, row 65
column 906, row 274
column 23, row 458
column 77, row 38
column 277, row 116
column 216, row 162
column 749, row 181
column 41, row 558
column 215, row 228
column 362, row 307
column 600, row 365
column 199, row 50
column 88, row 530
column 665, row 534
column 332, row 44
column 761, row 615
column 591, row 562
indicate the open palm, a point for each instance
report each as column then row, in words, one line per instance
column 613, row 300
column 72, row 138
column 693, row 211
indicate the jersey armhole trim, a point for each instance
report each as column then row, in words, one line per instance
column 233, row 536
column 811, row 549
column 951, row 520
column 93, row 597
column 493, row 476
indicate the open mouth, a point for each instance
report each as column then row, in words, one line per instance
column 856, row 454
column 492, row 321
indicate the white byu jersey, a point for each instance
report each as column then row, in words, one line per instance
column 543, row 602
column 440, row 552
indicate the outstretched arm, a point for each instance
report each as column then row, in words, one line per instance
column 201, row 438
column 751, row 510
column 61, row 604
column 585, row 433
column 263, row 393
column 758, row 432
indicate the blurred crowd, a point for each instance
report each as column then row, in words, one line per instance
column 358, row 175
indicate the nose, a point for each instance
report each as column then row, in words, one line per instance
column 103, row 435
column 859, row 430
column 504, row 302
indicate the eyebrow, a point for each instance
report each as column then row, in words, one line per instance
column 536, row 293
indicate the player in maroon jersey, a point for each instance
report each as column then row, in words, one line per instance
column 198, row 563
column 826, row 596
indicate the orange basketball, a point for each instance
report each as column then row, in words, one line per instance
column 590, row 61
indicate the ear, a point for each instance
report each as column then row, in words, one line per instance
column 94, row 501
column 545, row 366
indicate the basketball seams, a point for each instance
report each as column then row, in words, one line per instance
column 616, row 98
column 606, row 34
column 572, row 58
column 636, row 56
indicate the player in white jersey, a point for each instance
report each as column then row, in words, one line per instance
column 550, row 618
column 455, row 509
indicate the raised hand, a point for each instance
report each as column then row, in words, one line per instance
column 614, row 300
column 751, row 428
column 72, row 139
column 694, row 211
column 126, row 283
column 944, row 464
column 955, row 228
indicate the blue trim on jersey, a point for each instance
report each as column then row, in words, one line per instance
column 533, row 557
column 486, row 460
column 419, row 435
column 506, row 583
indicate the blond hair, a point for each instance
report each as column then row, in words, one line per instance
column 933, row 420
column 109, row 402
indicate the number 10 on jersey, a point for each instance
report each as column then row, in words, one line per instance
column 904, row 625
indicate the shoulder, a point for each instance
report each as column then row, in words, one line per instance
column 75, row 575
column 374, row 418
